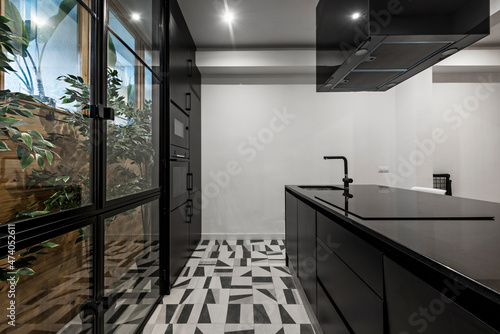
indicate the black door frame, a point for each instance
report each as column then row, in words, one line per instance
column 35, row 230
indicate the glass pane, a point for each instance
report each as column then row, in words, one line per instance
column 131, row 267
column 137, row 25
column 44, row 137
column 54, row 286
column 132, row 137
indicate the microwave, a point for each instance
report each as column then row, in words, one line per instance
column 179, row 128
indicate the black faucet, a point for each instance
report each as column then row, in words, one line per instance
column 346, row 178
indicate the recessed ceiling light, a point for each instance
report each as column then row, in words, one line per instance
column 135, row 17
column 228, row 17
column 356, row 16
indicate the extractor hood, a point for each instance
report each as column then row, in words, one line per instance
column 373, row 45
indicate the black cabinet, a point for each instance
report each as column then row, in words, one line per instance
column 361, row 307
column 364, row 259
column 291, row 230
column 328, row 317
column 415, row 307
column 184, row 86
column 179, row 240
column 195, row 142
column 195, row 226
column 179, row 64
column 306, row 250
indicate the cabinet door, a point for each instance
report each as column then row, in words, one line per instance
column 291, row 230
column 195, row 227
column 195, row 142
column 328, row 317
column 413, row 306
column 179, row 241
column 306, row 228
column 178, row 66
column 360, row 306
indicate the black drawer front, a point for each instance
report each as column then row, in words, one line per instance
column 306, row 248
column 327, row 315
column 413, row 306
column 291, row 230
column 364, row 259
column 361, row 307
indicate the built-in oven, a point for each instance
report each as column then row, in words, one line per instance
column 179, row 127
column 181, row 181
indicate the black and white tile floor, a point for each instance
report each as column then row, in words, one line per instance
column 234, row 286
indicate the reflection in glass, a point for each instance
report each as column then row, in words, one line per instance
column 44, row 137
column 54, row 286
column 131, row 147
column 131, row 267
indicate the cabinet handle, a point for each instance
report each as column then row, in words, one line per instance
column 190, row 181
column 190, row 68
column 188, row 101
column 189, row 210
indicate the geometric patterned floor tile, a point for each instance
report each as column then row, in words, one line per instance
column 233, row 286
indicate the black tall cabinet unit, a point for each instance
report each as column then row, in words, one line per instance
column 184, row 86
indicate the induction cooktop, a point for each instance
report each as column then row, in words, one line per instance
column 372, row 202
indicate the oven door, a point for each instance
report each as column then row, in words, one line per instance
column 179, row 182
column 179, row 127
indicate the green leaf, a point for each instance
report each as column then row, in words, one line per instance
column 66, row 179
column 26, row 272
column 26, row 162
column 17, row 25
column 27, row 140
column 3, row 147
column 15, row 132
column 8, row 120
column 49, row 144
column 49, row 244
column 27, row 113
column 35, row 134
column 22, row 152
column 49, row 156
column 30, row 106
column 40, row 160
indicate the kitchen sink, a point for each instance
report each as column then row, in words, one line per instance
column 320, row 188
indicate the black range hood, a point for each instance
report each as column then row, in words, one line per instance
column 373, row 45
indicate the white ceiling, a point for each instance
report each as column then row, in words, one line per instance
column 270, row 24
column 259, row 24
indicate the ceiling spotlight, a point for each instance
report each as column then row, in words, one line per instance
column 228, row 17
column 135, row 17
column 356, row 16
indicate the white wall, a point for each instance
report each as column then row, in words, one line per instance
column 469, row 114
column 251, row 200
column 414, row 129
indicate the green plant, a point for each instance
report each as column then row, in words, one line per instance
column 30, row 145
column 40, row 36
column 23, row 262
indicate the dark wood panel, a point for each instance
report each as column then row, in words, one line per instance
column 415, row 307
column 364, row 259
column 328, row 317
column 361, row 307
column 306, row 250
column 291, row 230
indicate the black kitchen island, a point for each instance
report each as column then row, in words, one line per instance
column 388, row 260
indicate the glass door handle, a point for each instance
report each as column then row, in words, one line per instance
column 102, row 112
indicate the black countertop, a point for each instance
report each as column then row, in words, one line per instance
column 464, row 246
